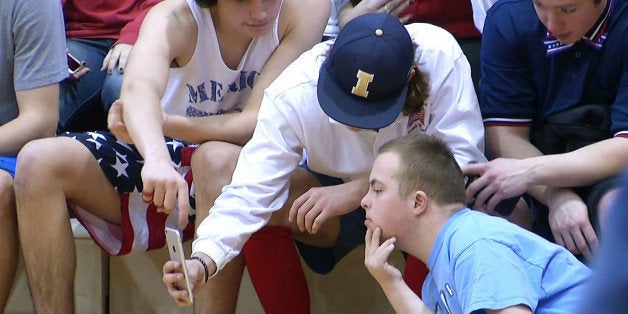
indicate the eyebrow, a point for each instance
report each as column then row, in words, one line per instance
column 373, row 182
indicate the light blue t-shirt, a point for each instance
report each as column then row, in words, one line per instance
column 482, row 262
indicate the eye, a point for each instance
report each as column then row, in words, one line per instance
column 567, row 10
column 377, row 191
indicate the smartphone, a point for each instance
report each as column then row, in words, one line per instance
column 175, row 248
column 73, row 64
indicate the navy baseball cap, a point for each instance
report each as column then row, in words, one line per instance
column 364, row 81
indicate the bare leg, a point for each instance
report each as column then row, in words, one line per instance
column 216, row 161
column 8, row 237
column 49, row 172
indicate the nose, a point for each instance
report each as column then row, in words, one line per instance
column 554, row 22
column 258, row 10
column 364, row 202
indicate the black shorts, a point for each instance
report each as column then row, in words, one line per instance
column 322, row 260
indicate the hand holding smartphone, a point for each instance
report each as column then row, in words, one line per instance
column 175, row 248
column 76, row 68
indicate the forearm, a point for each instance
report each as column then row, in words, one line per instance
column 403, row 299
column 355, row 190
column 143, row 119
column 235, row 128
column 38, row 117
column 551, row 175
column 25, row 128
column 581, row 167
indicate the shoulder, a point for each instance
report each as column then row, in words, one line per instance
column 512, row 15
column 176, row 13
column 310, row 15
column 469, row 227
column 429, row 36
column 300, row 74
column 509, row 7
column 437, row 51
column 170, row 22
column 20, row 10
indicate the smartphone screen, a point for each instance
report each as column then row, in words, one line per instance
column 175, row 248
column 73, row 64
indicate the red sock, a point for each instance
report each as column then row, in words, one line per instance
column 414, row 274
column 276, row 272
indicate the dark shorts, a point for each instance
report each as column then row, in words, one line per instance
column 322, row 260
column 8, row 164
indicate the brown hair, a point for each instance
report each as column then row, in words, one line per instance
column 418, row 91
column 426, row 163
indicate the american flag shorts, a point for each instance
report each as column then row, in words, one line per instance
column 142, row 227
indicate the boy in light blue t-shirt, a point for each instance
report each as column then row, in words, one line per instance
column 477, row 263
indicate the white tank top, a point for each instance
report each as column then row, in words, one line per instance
column 205, row 85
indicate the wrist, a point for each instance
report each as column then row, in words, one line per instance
column 204, row 267
column 207, row 265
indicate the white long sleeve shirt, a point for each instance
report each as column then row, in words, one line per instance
column 291, row 121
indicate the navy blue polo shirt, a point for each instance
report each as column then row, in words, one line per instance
column 520, row 85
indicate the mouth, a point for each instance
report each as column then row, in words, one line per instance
column 258, row 25
column 562, row 37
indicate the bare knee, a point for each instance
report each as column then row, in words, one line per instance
column 30, row 163
column 213, row 164
column 217, row 160
column 51, row 163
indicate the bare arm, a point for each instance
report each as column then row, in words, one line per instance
column 301, row 26
column 548, row 179
column 376, row 256
column 558, row 170
column 318, row 204
column 161, row 38
column 544, row 176
column 39, row 112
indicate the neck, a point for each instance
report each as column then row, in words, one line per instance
column 421, row 241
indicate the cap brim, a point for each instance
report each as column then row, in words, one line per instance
column 353, row 111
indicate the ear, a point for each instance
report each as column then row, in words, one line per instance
column 421, row 202
column 411, row 74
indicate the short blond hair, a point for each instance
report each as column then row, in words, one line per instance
column 426, row 163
